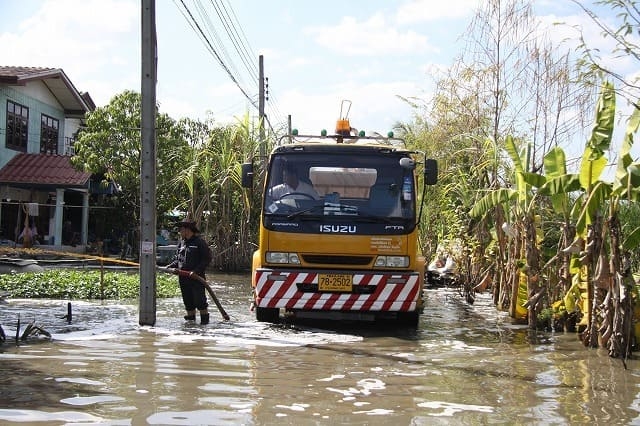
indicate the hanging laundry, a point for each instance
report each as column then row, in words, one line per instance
column 33, row 209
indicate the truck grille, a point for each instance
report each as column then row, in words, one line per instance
column 337, row 260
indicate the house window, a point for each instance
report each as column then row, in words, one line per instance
column 17, row 126
column 48, row 135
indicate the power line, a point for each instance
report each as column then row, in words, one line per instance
column 237, row 42
column 214, row 52
column 206, row 31
column 216, row 40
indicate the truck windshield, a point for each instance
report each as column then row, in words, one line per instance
column 320, row 185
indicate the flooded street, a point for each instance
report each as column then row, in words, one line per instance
column 465, row 364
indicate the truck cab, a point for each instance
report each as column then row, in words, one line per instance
column 338, row 230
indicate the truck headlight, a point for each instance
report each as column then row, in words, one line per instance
column 282, row 257
column 392, row 262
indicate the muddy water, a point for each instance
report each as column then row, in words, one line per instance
column 465, row 364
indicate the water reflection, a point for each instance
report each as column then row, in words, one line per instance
column 464, row 364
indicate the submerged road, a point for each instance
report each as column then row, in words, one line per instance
column 464, row 364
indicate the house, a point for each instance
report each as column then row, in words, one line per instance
column 41, row 111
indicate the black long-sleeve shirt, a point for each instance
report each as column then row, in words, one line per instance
column 192, row 254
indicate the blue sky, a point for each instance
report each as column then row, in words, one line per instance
column 315, row 53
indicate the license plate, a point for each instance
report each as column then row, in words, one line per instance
column 335, row 282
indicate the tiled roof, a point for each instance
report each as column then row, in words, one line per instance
column 75, row 104
column 12, row 74
column 42, row 170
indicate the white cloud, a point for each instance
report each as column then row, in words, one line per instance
column 430, row 10
column 375, row 106
column 93, row 16
column 90, row 40
column 372, row 37
column 566, row 30
column 76, row 31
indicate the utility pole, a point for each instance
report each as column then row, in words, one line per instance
column 148, row 166
column 261, row 106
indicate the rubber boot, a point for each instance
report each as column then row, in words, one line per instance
column 204, row 319
column 191, row 316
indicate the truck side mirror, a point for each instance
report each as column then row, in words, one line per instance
column 430, row 171
column 247, row 175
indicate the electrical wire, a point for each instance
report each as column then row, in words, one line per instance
column 204, row 27
column 216, row 40
column 213, row 51
column 238, row 44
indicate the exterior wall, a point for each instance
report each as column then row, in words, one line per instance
column 39, row 100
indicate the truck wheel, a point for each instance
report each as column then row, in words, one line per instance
column 271, row 315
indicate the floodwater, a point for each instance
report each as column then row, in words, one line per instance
column 464, row 364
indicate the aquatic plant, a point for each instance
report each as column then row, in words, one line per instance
column 82, row 284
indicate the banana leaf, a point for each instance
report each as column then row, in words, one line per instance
column 593, row 160
column 600, row 140
column 534, row 179
column 632, row 241
column 597, row 198
column 492, row 199
column 512, row 150
column 555, row 163
column 624, row 156
column 591, row 168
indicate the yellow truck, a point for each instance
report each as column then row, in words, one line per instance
column 338, row 228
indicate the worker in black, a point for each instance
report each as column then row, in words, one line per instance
column 193, row 254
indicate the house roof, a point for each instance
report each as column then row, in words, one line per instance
column 42, row 171
column 75, row 104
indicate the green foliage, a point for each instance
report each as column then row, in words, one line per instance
column 110, row 146
column 197, row 171
column 210, row 181
column 82, row 284
column 629, row 214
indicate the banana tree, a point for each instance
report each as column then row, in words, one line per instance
column 522, row 275
column 590, row 223
column 610, row 286
column 524, row 268
column 559, row 186
column 615, row 278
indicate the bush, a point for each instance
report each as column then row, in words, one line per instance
column 82, row 284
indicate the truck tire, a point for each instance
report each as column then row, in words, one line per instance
column 271, row 315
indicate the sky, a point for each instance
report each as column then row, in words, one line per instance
column 316, row 54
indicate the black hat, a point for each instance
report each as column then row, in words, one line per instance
column 189, row 224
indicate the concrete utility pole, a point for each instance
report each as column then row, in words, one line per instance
column 148, row 167
column 261, row 106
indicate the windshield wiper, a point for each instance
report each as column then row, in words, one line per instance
column 330, row 209
column 368, row 217
column 303, row 211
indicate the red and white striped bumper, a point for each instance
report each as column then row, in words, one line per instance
column 383, row 292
